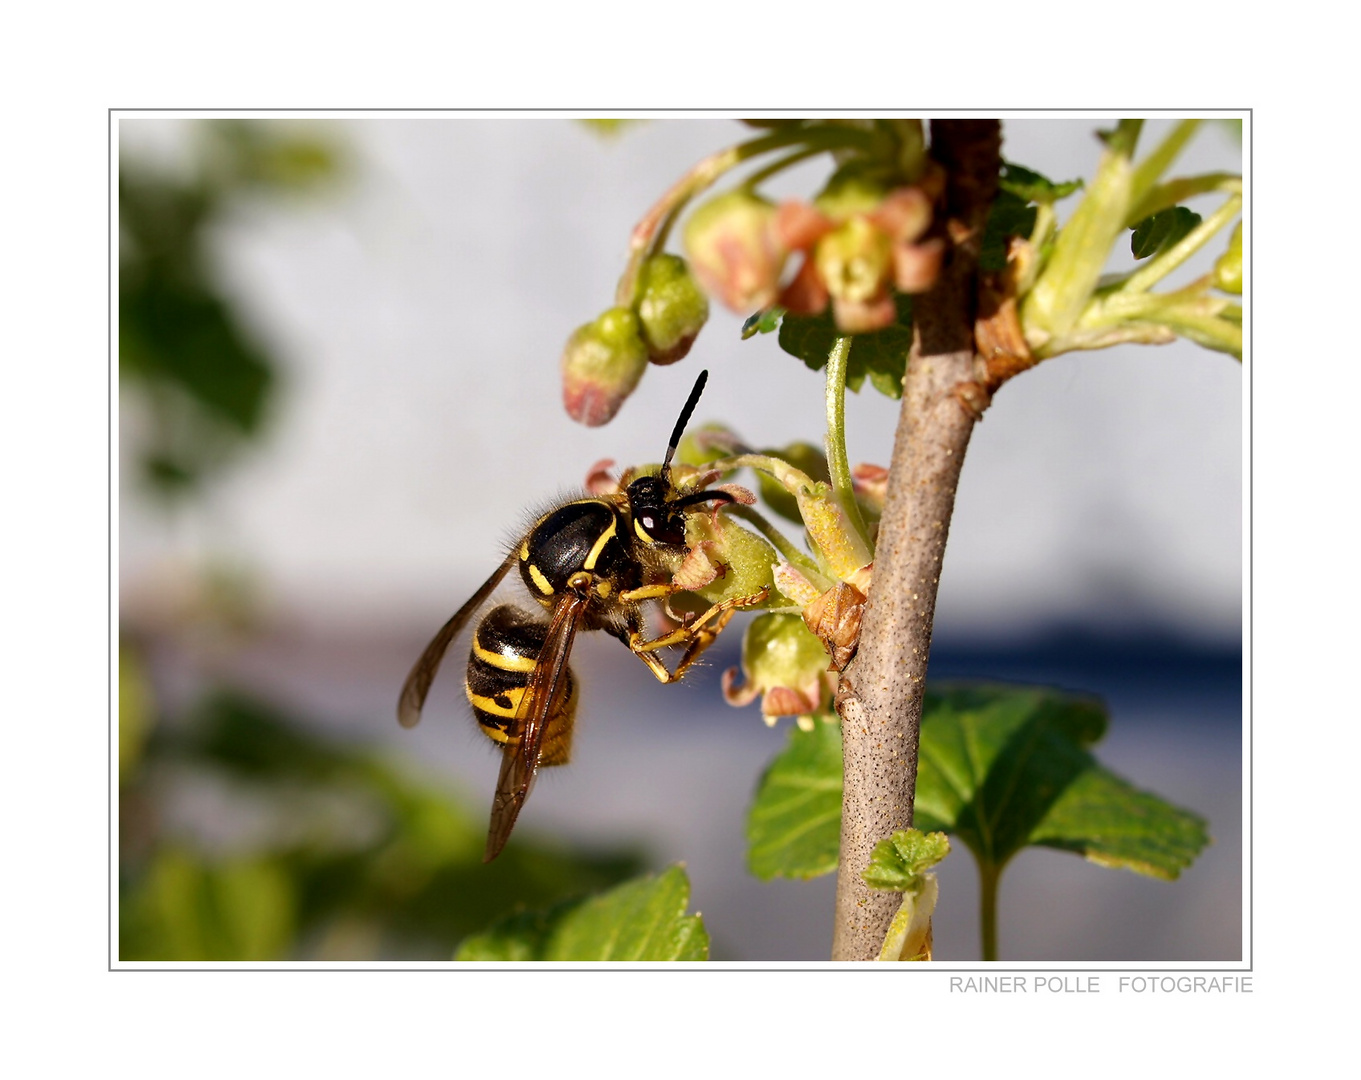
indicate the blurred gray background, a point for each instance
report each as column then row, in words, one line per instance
column 418, row 308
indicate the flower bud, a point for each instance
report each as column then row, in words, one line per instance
column 743, row 563
column 916, row 266
column 733, row 249
column 672, row 308
column 849, row 195
column 783, row 663
column 854, row 261
column 1228, row 271
column 905, row 214
column 601, row 365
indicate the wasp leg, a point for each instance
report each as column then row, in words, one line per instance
column 696, row 637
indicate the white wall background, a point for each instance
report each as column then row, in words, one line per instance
column 420, row 311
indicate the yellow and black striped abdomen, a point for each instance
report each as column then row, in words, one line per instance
column 506, row 647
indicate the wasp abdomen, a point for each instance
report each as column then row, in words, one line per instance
column 505, row 651
column 582, row 535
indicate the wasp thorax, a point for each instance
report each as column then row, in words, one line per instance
column 582, row 536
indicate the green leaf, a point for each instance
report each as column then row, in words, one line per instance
column 763, row 322
column 880, row 356
column 898, row 862
column 186, row 909
column 794, row 825
column 1162, row 230
column 1010, row 215
column 1003, row 767
column 642, row 919
column 1032, row 187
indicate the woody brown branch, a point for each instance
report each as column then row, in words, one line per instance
column 944, row 392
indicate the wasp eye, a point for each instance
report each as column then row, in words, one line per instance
column 649, row 523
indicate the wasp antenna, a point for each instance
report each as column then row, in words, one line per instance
column 685, row 415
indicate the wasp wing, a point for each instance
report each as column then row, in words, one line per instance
column 521, row 758
column 417, row 684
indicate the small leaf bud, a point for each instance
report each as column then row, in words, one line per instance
column 601, row 365
column 672, row 308
column 1228, row 270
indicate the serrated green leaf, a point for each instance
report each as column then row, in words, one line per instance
column 880, row 356
column 1000, row 768
column 1003, row 767
column 899, row 862
column 639, row 920
column 1032, row 187
column 794, row 825
column 1160, row 231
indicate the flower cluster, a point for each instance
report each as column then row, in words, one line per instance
column 858, row 244
column 604, row 359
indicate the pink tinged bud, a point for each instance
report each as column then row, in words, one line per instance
column 855, row 262
column 600, row 480
column 601, row 365
column 783, row 663
column 734, row 251
column 672, row 308
column 871, row 485
column 805, row 294
column 799, row 226
column 854, row 317
column 905, row 214
column 917, row 266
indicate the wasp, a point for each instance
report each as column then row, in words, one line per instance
column 592, row 563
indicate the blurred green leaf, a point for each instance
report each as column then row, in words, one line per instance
column 1013, row 212
column 375, row 858
column 794, row 824
column 881, row 356
column 1010, row 215
column 203, row 383
column 135, row 709
column 1031, row 187
column 1162, row 230
column 640, row 920
column 186, row 910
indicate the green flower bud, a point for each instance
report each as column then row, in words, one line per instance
column 741, row 562
column 1228, row 271
column 854, row 261
column 783, row 663
column 849, row 195
column 601, row 365
column 672, row 307
column 734, row 250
